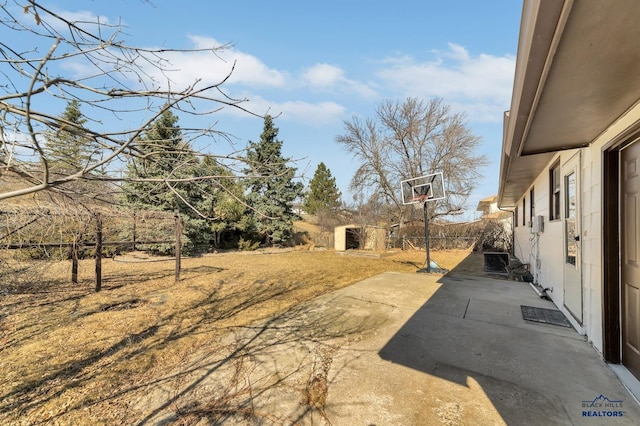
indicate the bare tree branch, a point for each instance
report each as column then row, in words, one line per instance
column 122, row 89
column 412, row 139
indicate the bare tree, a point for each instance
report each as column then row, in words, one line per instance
column 412, row 139
column 50, row 60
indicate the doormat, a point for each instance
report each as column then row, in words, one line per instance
column 543, row 315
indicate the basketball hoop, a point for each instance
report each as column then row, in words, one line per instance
column 424, row 188
column 418, row 191
column 419, row 199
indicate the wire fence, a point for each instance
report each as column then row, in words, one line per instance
column 73, row 233
column 439, row 243
column 41, row 228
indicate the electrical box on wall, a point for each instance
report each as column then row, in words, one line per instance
column 537, row 225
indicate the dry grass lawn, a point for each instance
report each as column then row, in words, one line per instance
column 69, row 355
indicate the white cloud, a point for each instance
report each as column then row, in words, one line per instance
column 212, row 62
column 480, row 85
column 207, row 62
column 315, row 114
column 458, row 52
column 329, row 78
column 323, row 75
column 84, row 17
column 86, row 20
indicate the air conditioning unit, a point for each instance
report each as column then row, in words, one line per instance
column 536, row 226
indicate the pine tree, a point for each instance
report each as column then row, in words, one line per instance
column 271, row 187
column 69, row 150
column 162, row 153
column 223, row 200
column 323, row 195
column 165, row 156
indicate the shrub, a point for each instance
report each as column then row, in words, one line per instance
column 248, row 245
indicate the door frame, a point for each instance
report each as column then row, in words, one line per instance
column 573, row 166
column 611, row 258
column 611, row 297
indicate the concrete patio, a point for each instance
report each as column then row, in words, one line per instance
column 406, row 349
column 456, row 350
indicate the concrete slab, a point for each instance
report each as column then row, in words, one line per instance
column 466, row 356
column 410, row 349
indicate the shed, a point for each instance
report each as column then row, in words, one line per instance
column 348, row 237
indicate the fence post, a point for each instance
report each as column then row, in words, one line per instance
column 134, row 230
column 74, row 260
column 98, row 252
column 178, row 244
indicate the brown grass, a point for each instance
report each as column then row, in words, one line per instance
column 72, row 356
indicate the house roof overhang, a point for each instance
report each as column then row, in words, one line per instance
column 576, row 73
column 485, row 203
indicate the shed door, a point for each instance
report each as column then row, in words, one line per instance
column 630, row 253
column 572, row 276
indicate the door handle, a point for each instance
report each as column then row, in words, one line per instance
column 577, row 238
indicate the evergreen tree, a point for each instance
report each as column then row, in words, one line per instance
column 271, row 187
column 68, row 149
column 223, row 200
column 161, row 153
column 323, row 195
column 163, row 156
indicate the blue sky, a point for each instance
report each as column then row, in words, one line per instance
column 317, row 64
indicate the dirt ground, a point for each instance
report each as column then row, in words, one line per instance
column 73, row 356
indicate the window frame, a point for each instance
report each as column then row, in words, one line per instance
column 555, row 192
column 532, row 208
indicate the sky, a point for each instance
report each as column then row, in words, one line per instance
column 315, row 65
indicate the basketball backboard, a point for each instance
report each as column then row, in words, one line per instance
column 424, row 188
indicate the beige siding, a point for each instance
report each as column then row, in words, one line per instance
column 340, row 238
column 545, row 252
column 592, row 243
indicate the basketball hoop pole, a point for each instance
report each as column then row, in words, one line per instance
column 423, row 189
column 426, row 235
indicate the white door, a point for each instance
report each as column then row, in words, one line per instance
column 572, row 276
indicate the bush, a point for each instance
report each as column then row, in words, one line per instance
column 248, row 245
column 496, row 236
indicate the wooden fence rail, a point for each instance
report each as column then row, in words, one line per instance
column 81, row 244
column 99, row 244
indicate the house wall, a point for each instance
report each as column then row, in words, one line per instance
column 592, row 217
column 591, row 243
column 545, row 251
